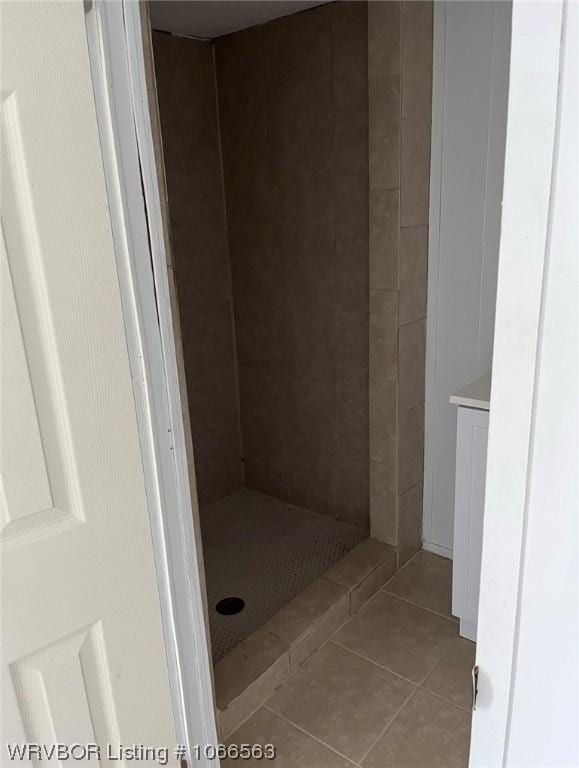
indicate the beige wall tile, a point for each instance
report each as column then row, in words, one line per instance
column 399, row 636
column 384, row 501
column 146, row 37
column 185, row 87
column 208, row 353
column 383, row 335
column 410, row 448
column 189, row 127
column 413, row 273
column 352, row 417
column 428, row 732
column 400, row 87
column 384, row 37
column 416, row 112
column 383, row 428
column 341, row 699
column 414, row 172
column 159, row 163
column 384, row 149
column 217, row 466
column 208, row 338
column 351, row 333
column 352, row 490
column 411, row 362
column 384, row 237
column 416, row 33
column 384, row 131
column 215, row 431
column 293, row 98
column 293, row 746
column 349, row 25
column 310, row 396
column 309, row 477
column 409, row 523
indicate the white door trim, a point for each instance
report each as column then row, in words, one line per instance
column 523, row 259
column 116, row 54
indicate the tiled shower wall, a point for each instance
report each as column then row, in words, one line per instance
column 305, row 171
column 189, row 122
column 293, row 103
column 400, row 95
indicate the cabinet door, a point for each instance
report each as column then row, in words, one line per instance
column 471, row 459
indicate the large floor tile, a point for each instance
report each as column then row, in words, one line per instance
column 341, row 699
column 452, row 676
column 398, row 635
column 426, row 581
column 428, row 733
column 294, row 748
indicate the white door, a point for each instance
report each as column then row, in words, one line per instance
column 527, row 713
column 83, row 658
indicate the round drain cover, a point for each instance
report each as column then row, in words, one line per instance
column 230, row 606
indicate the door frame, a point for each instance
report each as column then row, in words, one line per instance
column 116, row 56
column 520, row 371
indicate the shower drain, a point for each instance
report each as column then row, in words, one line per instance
column 229, row 606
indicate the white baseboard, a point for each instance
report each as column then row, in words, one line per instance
column 436, row 549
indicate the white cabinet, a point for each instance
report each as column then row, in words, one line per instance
column 471, row 459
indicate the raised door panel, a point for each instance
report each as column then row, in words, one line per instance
column 39, row 486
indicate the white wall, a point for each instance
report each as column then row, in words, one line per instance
column 471, row 61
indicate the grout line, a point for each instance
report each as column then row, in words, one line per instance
column 381, row 666
column 441, row 697
column 242, row 722
column 403, row 568
column 387, row 726
column 394, row 189
column 419, row 684
column 417, row 605
column 311, row 735
column 420, row 319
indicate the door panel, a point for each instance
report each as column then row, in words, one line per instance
column 82, row 643
column 39, row 491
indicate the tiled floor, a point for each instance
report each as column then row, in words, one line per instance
column 266, row 552
column 391, row 689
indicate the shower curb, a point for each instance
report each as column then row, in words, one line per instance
column 253, row 670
